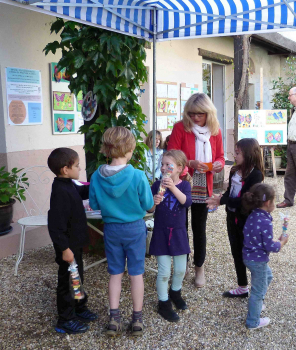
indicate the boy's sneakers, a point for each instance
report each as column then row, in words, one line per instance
column 263, row 323
column 87, row 316
column 71, row 327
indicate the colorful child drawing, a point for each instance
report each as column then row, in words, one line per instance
column 79, row 99
column 274, row 136
column 162, row 105
column 276, row 117
column 63, row 101
column 59, row 76
column 64, row 123
column 172, row 106
column 241, row 119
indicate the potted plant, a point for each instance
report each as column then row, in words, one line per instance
column 278, row 154
column 8, row 194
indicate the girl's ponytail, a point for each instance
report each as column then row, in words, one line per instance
column 256, row 197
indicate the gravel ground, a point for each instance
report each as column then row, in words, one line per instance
column 28, row 311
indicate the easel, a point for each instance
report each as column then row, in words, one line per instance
column 271, row 147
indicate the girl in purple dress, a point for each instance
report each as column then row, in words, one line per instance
column 169, row 237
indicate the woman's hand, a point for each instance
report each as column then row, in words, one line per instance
column 214, row 201
column 168, row 182
column 157, row 199
column 199, row 166
column 217, row 167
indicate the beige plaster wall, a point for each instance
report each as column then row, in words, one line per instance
column 179, row 61
column 40, row 193
column 271, row 65
column 23, row 36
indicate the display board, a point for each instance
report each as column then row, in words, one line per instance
column 166, row 105
column 24, row 96
column 66, row 108
column 268, row 127
column 186, row 90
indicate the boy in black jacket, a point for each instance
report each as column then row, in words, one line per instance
column 68, row 230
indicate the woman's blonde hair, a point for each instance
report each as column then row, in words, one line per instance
column 149, row 139
column 201, row 103
column 117, row 142
column 181, row 160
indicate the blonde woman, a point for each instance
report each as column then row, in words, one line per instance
column 158, row 155
column 199, row 136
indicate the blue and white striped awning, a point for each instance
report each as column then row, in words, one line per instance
column 174, row 18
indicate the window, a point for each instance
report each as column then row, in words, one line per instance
column 207, row 79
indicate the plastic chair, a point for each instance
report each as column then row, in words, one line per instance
column 35, row 206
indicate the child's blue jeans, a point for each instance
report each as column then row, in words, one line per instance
column 164, row 273
column 261, row 277
column 123, row 242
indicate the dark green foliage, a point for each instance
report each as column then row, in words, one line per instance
column 112, row 66
column 280, row 98
column 8, row 186
column 282, row 87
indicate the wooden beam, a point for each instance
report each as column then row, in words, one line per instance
column 214, row 56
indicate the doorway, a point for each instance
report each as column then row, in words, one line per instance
column 214, row 87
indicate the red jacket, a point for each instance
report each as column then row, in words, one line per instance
column 185, row 141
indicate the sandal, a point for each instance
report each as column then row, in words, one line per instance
column 114, row 328
column 137, row 329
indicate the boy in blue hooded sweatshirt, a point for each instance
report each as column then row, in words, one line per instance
column 123, row 195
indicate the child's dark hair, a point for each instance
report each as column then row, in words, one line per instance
column 252, row 157
column 149, row 139
column 166, row 142
column 61, row 157
column 256, row 197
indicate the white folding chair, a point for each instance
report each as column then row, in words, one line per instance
column 36, row 205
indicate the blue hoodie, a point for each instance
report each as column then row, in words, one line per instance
column 123, row 197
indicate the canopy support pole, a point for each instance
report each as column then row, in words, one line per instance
column 154, row 92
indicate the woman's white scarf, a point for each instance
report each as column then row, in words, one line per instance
column 203, row 148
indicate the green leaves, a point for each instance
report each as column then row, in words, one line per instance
column 8, row 185
column 112, row 66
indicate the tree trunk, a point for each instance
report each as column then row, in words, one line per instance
column 241, row 77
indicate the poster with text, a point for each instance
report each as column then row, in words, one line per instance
column 162, row 122
column 268, row 127
column 24, row 96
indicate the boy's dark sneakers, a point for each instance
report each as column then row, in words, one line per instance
column 166, row 311
column 87, row 316
column 71, row 327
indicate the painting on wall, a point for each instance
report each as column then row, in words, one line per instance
column 64, row 123
column 59, row 76
column 63, row 101
column 79, row 99
column 273, row 136
column 161, row 105
column 172, row 119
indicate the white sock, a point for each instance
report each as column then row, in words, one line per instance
column 239, row 290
